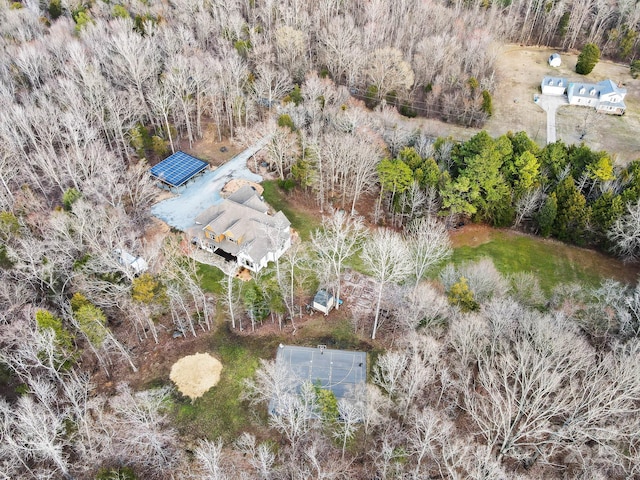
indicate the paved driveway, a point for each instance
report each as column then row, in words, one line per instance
column 550, row 104
column 180, row 212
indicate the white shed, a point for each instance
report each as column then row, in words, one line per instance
column 137, row 264
column 323, row 302
column 555, row 60
column 553, row 86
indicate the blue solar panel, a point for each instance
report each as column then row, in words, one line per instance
column 178, row 168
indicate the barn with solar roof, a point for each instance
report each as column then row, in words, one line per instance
column 176, row 170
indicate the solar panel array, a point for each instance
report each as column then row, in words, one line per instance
column 178, row 169
column 336, row 370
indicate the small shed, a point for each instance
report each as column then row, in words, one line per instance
column 137, row 264
column 555, row 60
column 323, row 302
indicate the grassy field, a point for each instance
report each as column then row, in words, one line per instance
column 303, row 222
column 552, row 262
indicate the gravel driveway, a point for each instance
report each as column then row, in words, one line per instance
column 180, row 211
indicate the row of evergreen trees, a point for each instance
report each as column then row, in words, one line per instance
column 566, row 191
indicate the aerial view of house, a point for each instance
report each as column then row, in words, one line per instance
column 241, row 228
column 604, row 96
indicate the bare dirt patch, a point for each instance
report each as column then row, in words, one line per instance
column 237, row 183
column 211, row 147
column 471, row 235
column 195, row 374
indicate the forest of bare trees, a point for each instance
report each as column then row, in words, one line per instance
column 487, row 377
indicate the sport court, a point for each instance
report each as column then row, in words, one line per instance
column 337, row 370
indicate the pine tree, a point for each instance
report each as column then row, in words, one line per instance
column 587, row 59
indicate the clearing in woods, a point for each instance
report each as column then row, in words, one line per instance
column 553, row 262
column 519, row 73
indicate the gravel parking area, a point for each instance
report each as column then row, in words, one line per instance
column 180, row 211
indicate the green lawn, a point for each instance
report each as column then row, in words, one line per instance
column 220, row 412
column 552, row 262
column 210, row 278
column 303, row 222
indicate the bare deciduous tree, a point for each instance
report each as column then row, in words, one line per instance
column 387, row 257
column 429, row 243
column 625, row 234
column 338, row 239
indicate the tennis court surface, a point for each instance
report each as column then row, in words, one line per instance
column 337, row 370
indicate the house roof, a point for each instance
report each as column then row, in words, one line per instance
column 607, row 86
column 597, row 90
column 586, row 90
column 138, row 264
column 248, row 196
column 554, row 81
column 243, row 221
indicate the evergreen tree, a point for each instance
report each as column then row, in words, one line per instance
column 604, row 212
column 587, row 59
column 571, row 221
column 547, row 215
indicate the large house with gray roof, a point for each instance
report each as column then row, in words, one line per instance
column 605, row 96
column 241, row 228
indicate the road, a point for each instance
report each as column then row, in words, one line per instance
column 550, row 104
column 180, row 211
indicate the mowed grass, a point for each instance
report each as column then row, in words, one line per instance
column 551, row 261
column 210, row 278
column 303, row 222
column 221, row 412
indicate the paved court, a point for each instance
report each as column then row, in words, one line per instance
column 336, row 370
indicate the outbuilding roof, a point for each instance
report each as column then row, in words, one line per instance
column 177, row 169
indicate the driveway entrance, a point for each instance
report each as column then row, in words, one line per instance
column 550, row 104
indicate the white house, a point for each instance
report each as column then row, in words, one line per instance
column 555, row 60
column 553, row 86
column 605, row 96
column 241, row 229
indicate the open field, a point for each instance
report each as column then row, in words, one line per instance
column 520, row 70
column 551, row 261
